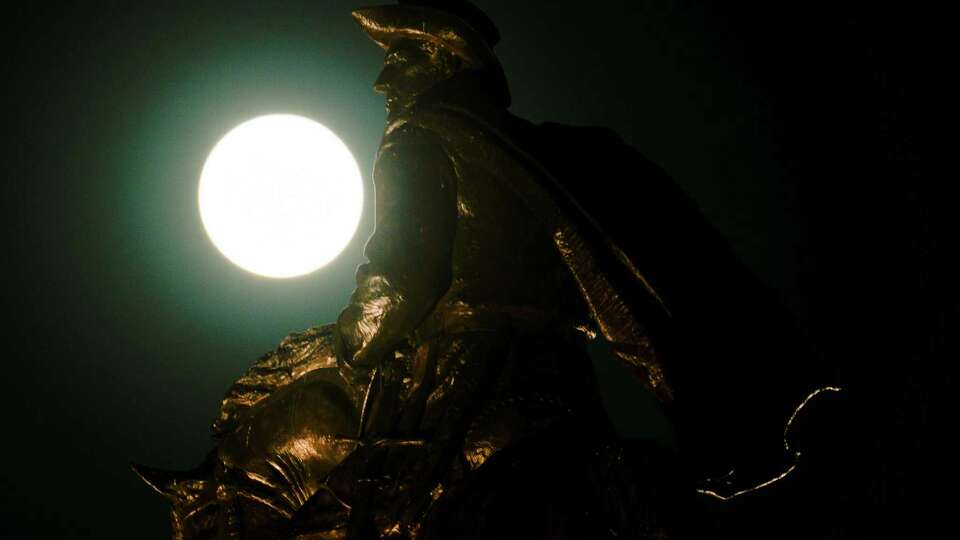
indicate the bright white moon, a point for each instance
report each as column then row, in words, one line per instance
column 280, row 195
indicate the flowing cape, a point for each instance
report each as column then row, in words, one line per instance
column 713, row 343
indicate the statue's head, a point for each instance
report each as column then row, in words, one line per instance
column 429, row 41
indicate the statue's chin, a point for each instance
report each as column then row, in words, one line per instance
column 397, row 105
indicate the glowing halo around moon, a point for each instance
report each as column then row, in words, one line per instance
column 280, row 195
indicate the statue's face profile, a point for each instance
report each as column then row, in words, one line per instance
column 411, row 67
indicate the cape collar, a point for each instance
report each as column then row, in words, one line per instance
column 469, row 90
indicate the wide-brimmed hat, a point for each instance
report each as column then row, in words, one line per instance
column 459, row 26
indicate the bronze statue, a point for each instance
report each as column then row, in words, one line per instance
column 453, row 398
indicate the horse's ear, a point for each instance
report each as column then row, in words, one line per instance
column 178, row 486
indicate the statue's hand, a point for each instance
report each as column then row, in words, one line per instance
column 353, row 359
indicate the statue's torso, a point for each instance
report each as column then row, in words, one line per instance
column 503, row 256
column 504, row 259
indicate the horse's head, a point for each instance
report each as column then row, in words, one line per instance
column 268, row 467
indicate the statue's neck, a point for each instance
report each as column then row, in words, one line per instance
column 468, row 90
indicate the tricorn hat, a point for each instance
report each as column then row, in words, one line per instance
column 457, row 25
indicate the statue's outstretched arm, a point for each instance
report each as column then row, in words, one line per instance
column 409, row 254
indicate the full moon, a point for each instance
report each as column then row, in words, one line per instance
column 280, row 195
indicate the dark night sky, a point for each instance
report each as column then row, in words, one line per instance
column 803, row 129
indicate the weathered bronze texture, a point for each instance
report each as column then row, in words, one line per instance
column 453, row 398
column 281, row 430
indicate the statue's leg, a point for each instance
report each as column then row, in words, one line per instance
column 544, row 462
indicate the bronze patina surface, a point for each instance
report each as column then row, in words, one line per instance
column 453, row 398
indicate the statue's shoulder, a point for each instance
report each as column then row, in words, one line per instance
column 413, row 127
column 443, row 111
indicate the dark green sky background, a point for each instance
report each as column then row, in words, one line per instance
column 803, row 129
